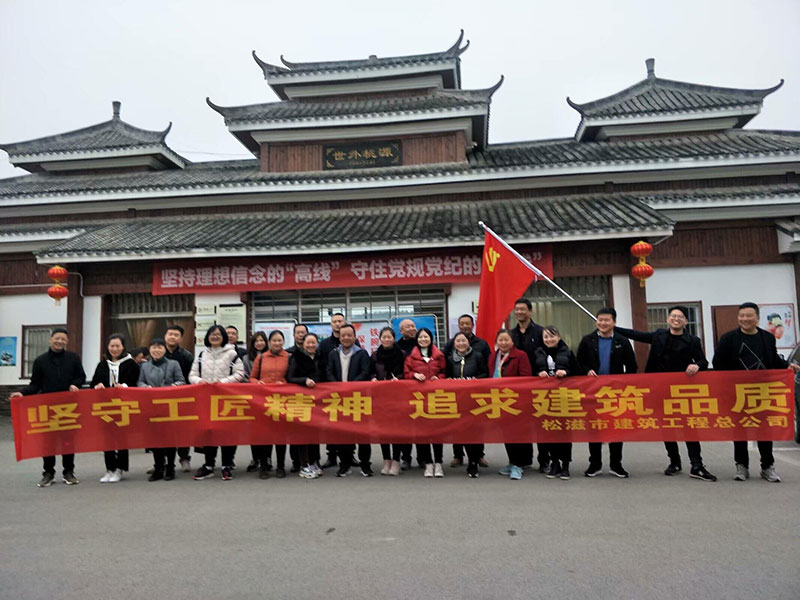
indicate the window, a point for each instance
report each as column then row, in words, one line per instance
column 657, row 316
column 35, row 341
column 141, row 317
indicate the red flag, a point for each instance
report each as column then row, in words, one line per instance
column 504, row 278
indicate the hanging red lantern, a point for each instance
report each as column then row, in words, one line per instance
column 57, row 274
column 57, row 292
column 642, row 270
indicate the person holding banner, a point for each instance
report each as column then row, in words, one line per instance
column 161, row 371
column 749, row 348
column 118, row 370
column 387, row 364
column 555, row 359
column 465, row 362
column 304, row 370
column 257, row 344
column 173, row 336
column 271, row 367
column 604, row 352
column 675, row 350
column 57, row 370
column 427, row 363
column 218, row 363
column 509, row 361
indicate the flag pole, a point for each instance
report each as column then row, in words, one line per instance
column 535, row 269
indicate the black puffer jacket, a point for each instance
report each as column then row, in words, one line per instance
column 563, row 358
column 472, row 365
column 387, row 364
column 302, row 367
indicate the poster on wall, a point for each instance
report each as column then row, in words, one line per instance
column 8, row 351
column 427, row 321
column 779, row 320
column 285, row 327
column 367, row 333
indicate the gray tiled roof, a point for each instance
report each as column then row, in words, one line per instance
column 654, row 96
column 526, row 219
column 567, row 152
column 293, row 109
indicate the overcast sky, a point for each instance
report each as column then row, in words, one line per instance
column 64, row 62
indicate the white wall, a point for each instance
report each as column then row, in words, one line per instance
column 714, row 286
column 224, row 298
column 92, row 332
column 26, row 309
column 621, row 289
column 461, row 300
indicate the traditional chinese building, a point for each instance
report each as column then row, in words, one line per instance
column 367, row 181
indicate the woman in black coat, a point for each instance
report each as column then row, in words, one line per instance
column 555, row 359
column 305, row 369
column 118, row 370
column 464, row 362
column 386, row 364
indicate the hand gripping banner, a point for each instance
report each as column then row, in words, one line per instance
column 713, row 406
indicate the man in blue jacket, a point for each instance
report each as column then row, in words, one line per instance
column 349, row 362
column 675, row 350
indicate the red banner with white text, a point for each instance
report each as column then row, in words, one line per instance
column 714, row 406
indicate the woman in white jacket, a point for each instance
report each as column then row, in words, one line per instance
column 218, row 363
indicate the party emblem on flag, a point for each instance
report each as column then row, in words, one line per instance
column 491, row 255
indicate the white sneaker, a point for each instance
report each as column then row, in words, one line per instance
column 387, row 467
column 115, row 476
column 770, row 475
column 437, row 470
column 428, row 470
column 394, row 470
column 106, row 477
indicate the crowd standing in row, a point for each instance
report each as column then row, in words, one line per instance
column 526, row 350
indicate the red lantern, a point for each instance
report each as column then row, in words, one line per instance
column 641, row 272
column 57, row 292
column 57, row 274
column 641, row 249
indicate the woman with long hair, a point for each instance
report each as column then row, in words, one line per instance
column 387, row 364
column 426, row 362
column 257, row 344
column 305, row 370
column 117, row 370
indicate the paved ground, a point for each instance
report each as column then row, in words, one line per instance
column 647, row 537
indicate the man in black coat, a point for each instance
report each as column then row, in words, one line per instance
column 57, row 370
column 173, row 336
column 748, row 348
column 604, row 352
column 348, row 362
column 675, row 350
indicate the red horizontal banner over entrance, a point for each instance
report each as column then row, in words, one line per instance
column 252, row 274
column 739, row 405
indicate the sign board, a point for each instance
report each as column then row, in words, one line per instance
column 364, row 154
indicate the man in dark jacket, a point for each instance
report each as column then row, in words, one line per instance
column 749, row 348
column 57, row 370
column 233, row 338
column 348, row 362
column 465, row 325
column 675, row 350
column 408, row 336
column 173, row 337
column 299, row 333
column 604, row 352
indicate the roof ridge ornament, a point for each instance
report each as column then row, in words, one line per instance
column 116, row 105
column 267, row 67
column 650, row 64
column 455, row 49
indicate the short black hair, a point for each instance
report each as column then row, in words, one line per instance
column 236, row 329
column 681, row 308
column 211, row 330
column 300, row 325
column 607, row 310
column 501, row 332
column 274, row 333
column 311, row 334
column 154, row 342
column 59, row 330
column 524, row 301
column 143, row 350
column 350, row 325
column 468, row 316
column 390, row 330
column 337, row 314
column 177, row 328
column 752, row 305
column 552, row 330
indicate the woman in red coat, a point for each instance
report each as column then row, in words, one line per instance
column 508, row 361
column 426, row 363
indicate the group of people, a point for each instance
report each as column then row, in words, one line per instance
column 528, row 349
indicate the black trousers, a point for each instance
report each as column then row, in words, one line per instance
column 164, row 457
column 307, row 454
column 263, row 453
column 458, row 451
column 614, row 454
column 520, row 455
column 67, row 463
column 543, row 457
column 183, row 454
column 675, row 456
column 346, row 451
column 742, row 456
column 560, row 452
column 116, row 459
column 474, row 452
column 228, row 452
column 424, row 453
column 392, row 451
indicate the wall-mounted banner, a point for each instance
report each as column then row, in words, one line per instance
column 253, row 274
column 718, row 406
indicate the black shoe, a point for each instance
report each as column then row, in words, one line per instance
column 269, row 464
column 263, row 474
column 330, row 463
column 564, row 475
column 226, row 473
column 618, row 471
column 554, row 471
column 366, row 470
column 203, row 472
column 253, row 466
column 472, row 470
column 544, row 467
column 343, row 471
column 295, row 468
column 169, row 474
column 672, row 469
column 47, row 479
column 593, row 471
column 280, row 473
column 701, row 473
column 157, row 475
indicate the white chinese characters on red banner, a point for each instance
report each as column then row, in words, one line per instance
column 221, row 275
